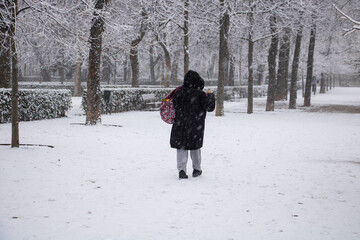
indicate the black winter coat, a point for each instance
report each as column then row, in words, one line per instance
column 191, row 104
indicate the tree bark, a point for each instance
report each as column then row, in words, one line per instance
column 322, row 83
column 231, row 79
column 310, row 63
column 5, row 62
column 45, row 74
column 294, row 70
column 272, row 65
column 61, row 67
column 44, row 70
column 174, row 68
column 260, row 74
column 186, row 37
column 223, row 62
column 240, row 67
column 134, row 58
column 5, row 49
column 15, row 84
column 211, row 66
column 251, row 74
column 152, row 64
column 77, row 79
column 125, row 70
column 115, row 73
column 93, row 111
column 167, row 63
column 283, row 68
column 106, row 70
column 250, row 105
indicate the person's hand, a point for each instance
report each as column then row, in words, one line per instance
column 207, row 92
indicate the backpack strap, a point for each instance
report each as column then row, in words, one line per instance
column 172, row 94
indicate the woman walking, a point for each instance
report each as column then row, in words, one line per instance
column 187, row 133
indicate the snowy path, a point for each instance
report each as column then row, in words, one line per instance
column 268, row 175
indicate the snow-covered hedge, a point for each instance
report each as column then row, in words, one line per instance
column 35, row 104
column 126, row 99
column 240, row 91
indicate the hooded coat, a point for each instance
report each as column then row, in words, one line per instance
column 191, row 105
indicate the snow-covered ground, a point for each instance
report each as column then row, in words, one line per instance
column 269, row 175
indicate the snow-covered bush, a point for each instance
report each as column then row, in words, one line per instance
column 35, row 104
column 240, row 91
column 127, row 99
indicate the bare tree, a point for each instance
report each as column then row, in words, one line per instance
column 77, row 78
column 283, row 65
column 5, row 52
column 272, row 64
column 186, row 36
column 223, row 55
column 134, row 58
column 15, row 86
column 93, row 112
column 310, row 64
column 295, row 68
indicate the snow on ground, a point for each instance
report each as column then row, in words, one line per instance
column 269, row 175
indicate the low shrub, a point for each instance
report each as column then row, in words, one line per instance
column 126, row 99
column 35, row 104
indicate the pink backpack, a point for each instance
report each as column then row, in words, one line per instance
column 167, row 109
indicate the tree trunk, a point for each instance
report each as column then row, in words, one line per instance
column 251, row 75
column 77, row 79
column 167, row 69
column 231, row 78
column 5, row 49
column 327, row 82
column 240, row 67
column 174, row 68
column 272, row 65
column 223, row 49
column 260, row 74
column 134, row 57
column 61, row 67
column 310, row 63
column 134, row 60
column 186, row 36
column 168, row 65
column 5, row 62
column 125, row 70
column 152, row 64
column 295, row 68
column 45, row 74
column 250, row 105
column 322, row 83
column 106, row 70
column 44, row 70
column 93, row 111
column 211, row 66
column 15, row 84
column 114, row 79
column 283, row 68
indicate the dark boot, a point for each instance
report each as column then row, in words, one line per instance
column 196, row 173
column 182, row 175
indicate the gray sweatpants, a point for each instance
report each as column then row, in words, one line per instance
column 182, row 158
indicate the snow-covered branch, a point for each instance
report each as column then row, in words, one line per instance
column 356, row 25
